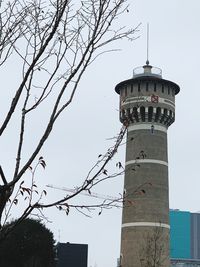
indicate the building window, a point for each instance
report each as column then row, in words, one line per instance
column 163, row 88
column 168, row 90
column 131, row 88
column 142, row 113
column 139, row 87
column 154, row 87
column 125, row 91
column 147, row 87
column 150, row 113
column 158, row 114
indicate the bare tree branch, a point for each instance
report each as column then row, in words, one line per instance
column 53, row 42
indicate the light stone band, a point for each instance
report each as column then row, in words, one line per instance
column 138, row 161
column 140, row 224
column 147, row 99
column 147, row 126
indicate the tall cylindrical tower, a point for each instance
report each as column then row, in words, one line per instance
column 147, row 106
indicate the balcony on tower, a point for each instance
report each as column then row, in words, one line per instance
column 147, row 70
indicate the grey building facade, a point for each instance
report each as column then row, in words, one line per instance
column 195, row 236
column 147, row 108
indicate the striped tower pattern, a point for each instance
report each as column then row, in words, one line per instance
column 147, row 106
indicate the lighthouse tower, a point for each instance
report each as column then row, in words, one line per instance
column 147, row 106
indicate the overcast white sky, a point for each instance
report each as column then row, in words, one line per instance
column 81, row 133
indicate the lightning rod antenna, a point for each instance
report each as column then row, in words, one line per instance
column 147, row 62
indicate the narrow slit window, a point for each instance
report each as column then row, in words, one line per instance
column 163, row 88
column 150, row 113
column 142, row 113
column 147, row 87
column 125, row 91
column 131, row 88
column 139, row 87
column 158, row 114
column 154, row 87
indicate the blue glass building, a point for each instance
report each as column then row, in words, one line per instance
column 184, row 238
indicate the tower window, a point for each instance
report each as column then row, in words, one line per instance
column 168, row 90
column 142, row 113
column 147, row 87
column 125, row 91
column 158, row 114
column 139, row 87
column 131, row 88
column 154, row 87
column 135, row 114
column 163, row 88
column 150, row 113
